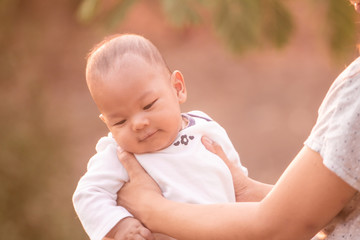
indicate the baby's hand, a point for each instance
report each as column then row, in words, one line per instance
column 131, row 229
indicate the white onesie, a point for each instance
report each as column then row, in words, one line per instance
column 185, row 171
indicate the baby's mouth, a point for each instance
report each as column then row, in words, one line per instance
column 147, row 136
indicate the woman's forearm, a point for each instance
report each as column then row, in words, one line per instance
column 230, row 221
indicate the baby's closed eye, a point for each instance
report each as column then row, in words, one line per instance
column 148, row 106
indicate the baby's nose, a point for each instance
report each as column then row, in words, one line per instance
column 139, row 122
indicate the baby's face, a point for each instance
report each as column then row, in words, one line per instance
column 140, row 104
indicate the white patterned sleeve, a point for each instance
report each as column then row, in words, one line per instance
column 336, row 134
column 95, row 196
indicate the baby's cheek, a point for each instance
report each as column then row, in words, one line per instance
column 120, row 139
column 127, row 144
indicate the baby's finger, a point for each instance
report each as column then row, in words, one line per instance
column 130, row 163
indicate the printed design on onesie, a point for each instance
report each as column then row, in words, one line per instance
column 184, row 140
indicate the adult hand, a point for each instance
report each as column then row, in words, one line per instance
column 137, row 194
column 246, row 189
column 240, row 181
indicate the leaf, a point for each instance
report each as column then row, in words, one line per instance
column 342, row 37
column 87, row 10
column 119, row 12
column 181, row 12
column 277, row 23
column 238, row 22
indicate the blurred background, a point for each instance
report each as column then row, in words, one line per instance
column 258, row 67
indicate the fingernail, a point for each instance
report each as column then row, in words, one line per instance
column 118, row 149
column 207, row 140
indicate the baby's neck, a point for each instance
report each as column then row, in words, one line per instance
column 184, row 122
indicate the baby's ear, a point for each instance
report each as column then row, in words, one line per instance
column 179, row 85
column 102, row 118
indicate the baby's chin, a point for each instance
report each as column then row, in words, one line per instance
column 154, row 147
column 151, row 149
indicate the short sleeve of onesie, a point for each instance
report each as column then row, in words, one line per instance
column 336, row 134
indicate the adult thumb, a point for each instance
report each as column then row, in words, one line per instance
column 215, row 148
column 130, row 163
column 212, row 146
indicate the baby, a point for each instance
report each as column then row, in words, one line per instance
column 139, row 99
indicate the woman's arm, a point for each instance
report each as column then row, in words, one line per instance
column 305, row 199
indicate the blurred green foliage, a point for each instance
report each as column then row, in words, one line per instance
column 181, row 12
column 243, row 24
column 342, row 34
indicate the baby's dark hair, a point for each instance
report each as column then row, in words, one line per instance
column 105, row 55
